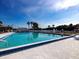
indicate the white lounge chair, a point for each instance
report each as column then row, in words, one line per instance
column 77, row 37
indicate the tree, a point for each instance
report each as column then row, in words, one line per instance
column 53, row 26
column 76, row 26
column 49, row 26
column 1, row 23
column 28, row 23
column 35, row 25
column 59, row 27
column 70, row 27
column 31, row 24
column 64, row 27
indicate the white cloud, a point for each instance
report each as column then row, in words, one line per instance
column 59, row 4
column 53, row 5
column 65, row 4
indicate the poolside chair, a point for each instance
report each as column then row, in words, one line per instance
column 77, row 37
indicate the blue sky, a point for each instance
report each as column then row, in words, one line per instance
column 45, row 12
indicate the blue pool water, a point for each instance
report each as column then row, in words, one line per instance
column 18, row 39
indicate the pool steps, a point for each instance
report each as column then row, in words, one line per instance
column 5, row 35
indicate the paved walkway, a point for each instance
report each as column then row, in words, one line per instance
column 65, row 49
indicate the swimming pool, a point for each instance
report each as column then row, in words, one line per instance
column 18, row 39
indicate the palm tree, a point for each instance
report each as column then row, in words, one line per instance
column 28, row 23
column 31, row 24
column 49, row 26
column 1, row 23
column 53, row 26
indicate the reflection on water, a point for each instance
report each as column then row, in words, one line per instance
column 53, row 35
column 49, row 34
column 35, row 35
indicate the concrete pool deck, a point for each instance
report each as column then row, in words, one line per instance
column 64, row 49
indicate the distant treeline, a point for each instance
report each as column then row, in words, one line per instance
column 70, row 27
